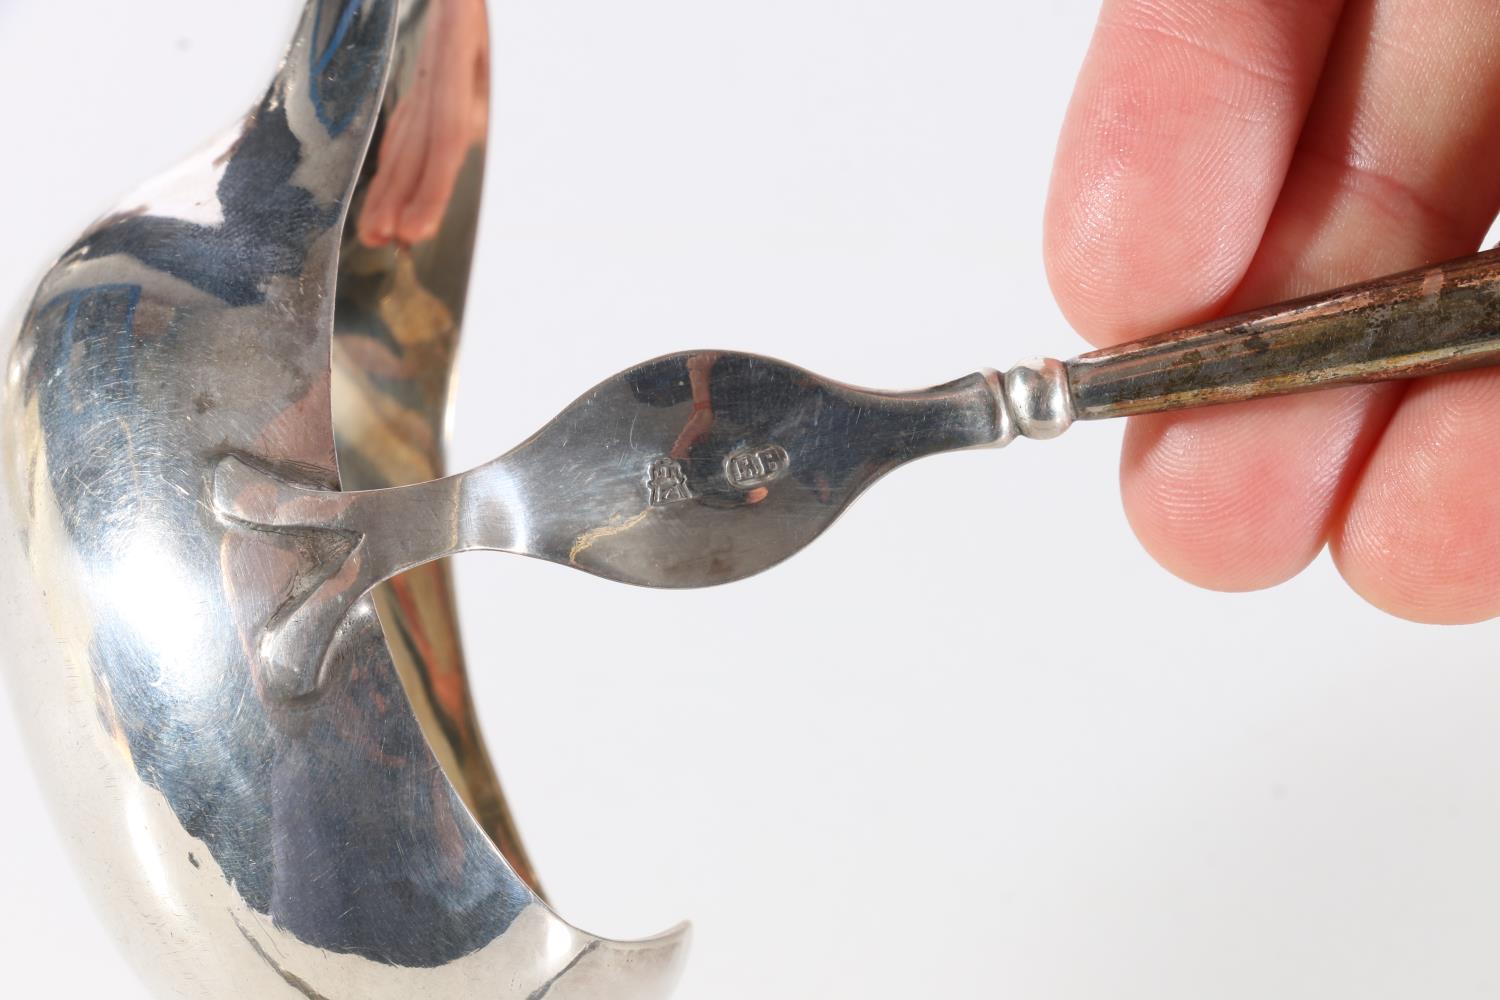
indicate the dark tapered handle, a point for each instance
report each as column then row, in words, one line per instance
column 1424, row 322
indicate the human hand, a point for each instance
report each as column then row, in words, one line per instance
column 1224, row 154
column 443, row 114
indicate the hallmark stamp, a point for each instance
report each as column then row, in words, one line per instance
column 751, row 467
column 667, row 482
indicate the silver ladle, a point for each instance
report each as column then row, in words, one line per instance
column 705, row 467
column 277, row 788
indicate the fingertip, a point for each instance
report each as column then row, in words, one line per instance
column 1421, row 537
column 417, row 227
column 374, row 225
column 1173, row 150
column 1205, row 512
column 1239, row 498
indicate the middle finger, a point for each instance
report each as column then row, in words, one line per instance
column 1393, row 169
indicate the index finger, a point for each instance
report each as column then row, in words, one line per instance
column 1180, row 132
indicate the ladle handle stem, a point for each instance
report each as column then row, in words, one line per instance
column 1436, row 319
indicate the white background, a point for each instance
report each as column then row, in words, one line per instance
column 973, row 743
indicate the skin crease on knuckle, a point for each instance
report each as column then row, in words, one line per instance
column 1390, row 171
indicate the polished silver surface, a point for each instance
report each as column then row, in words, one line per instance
column 223, row 511
column 239, row 842
column 687, row 471
column 402, row 282
column 1039, row 398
